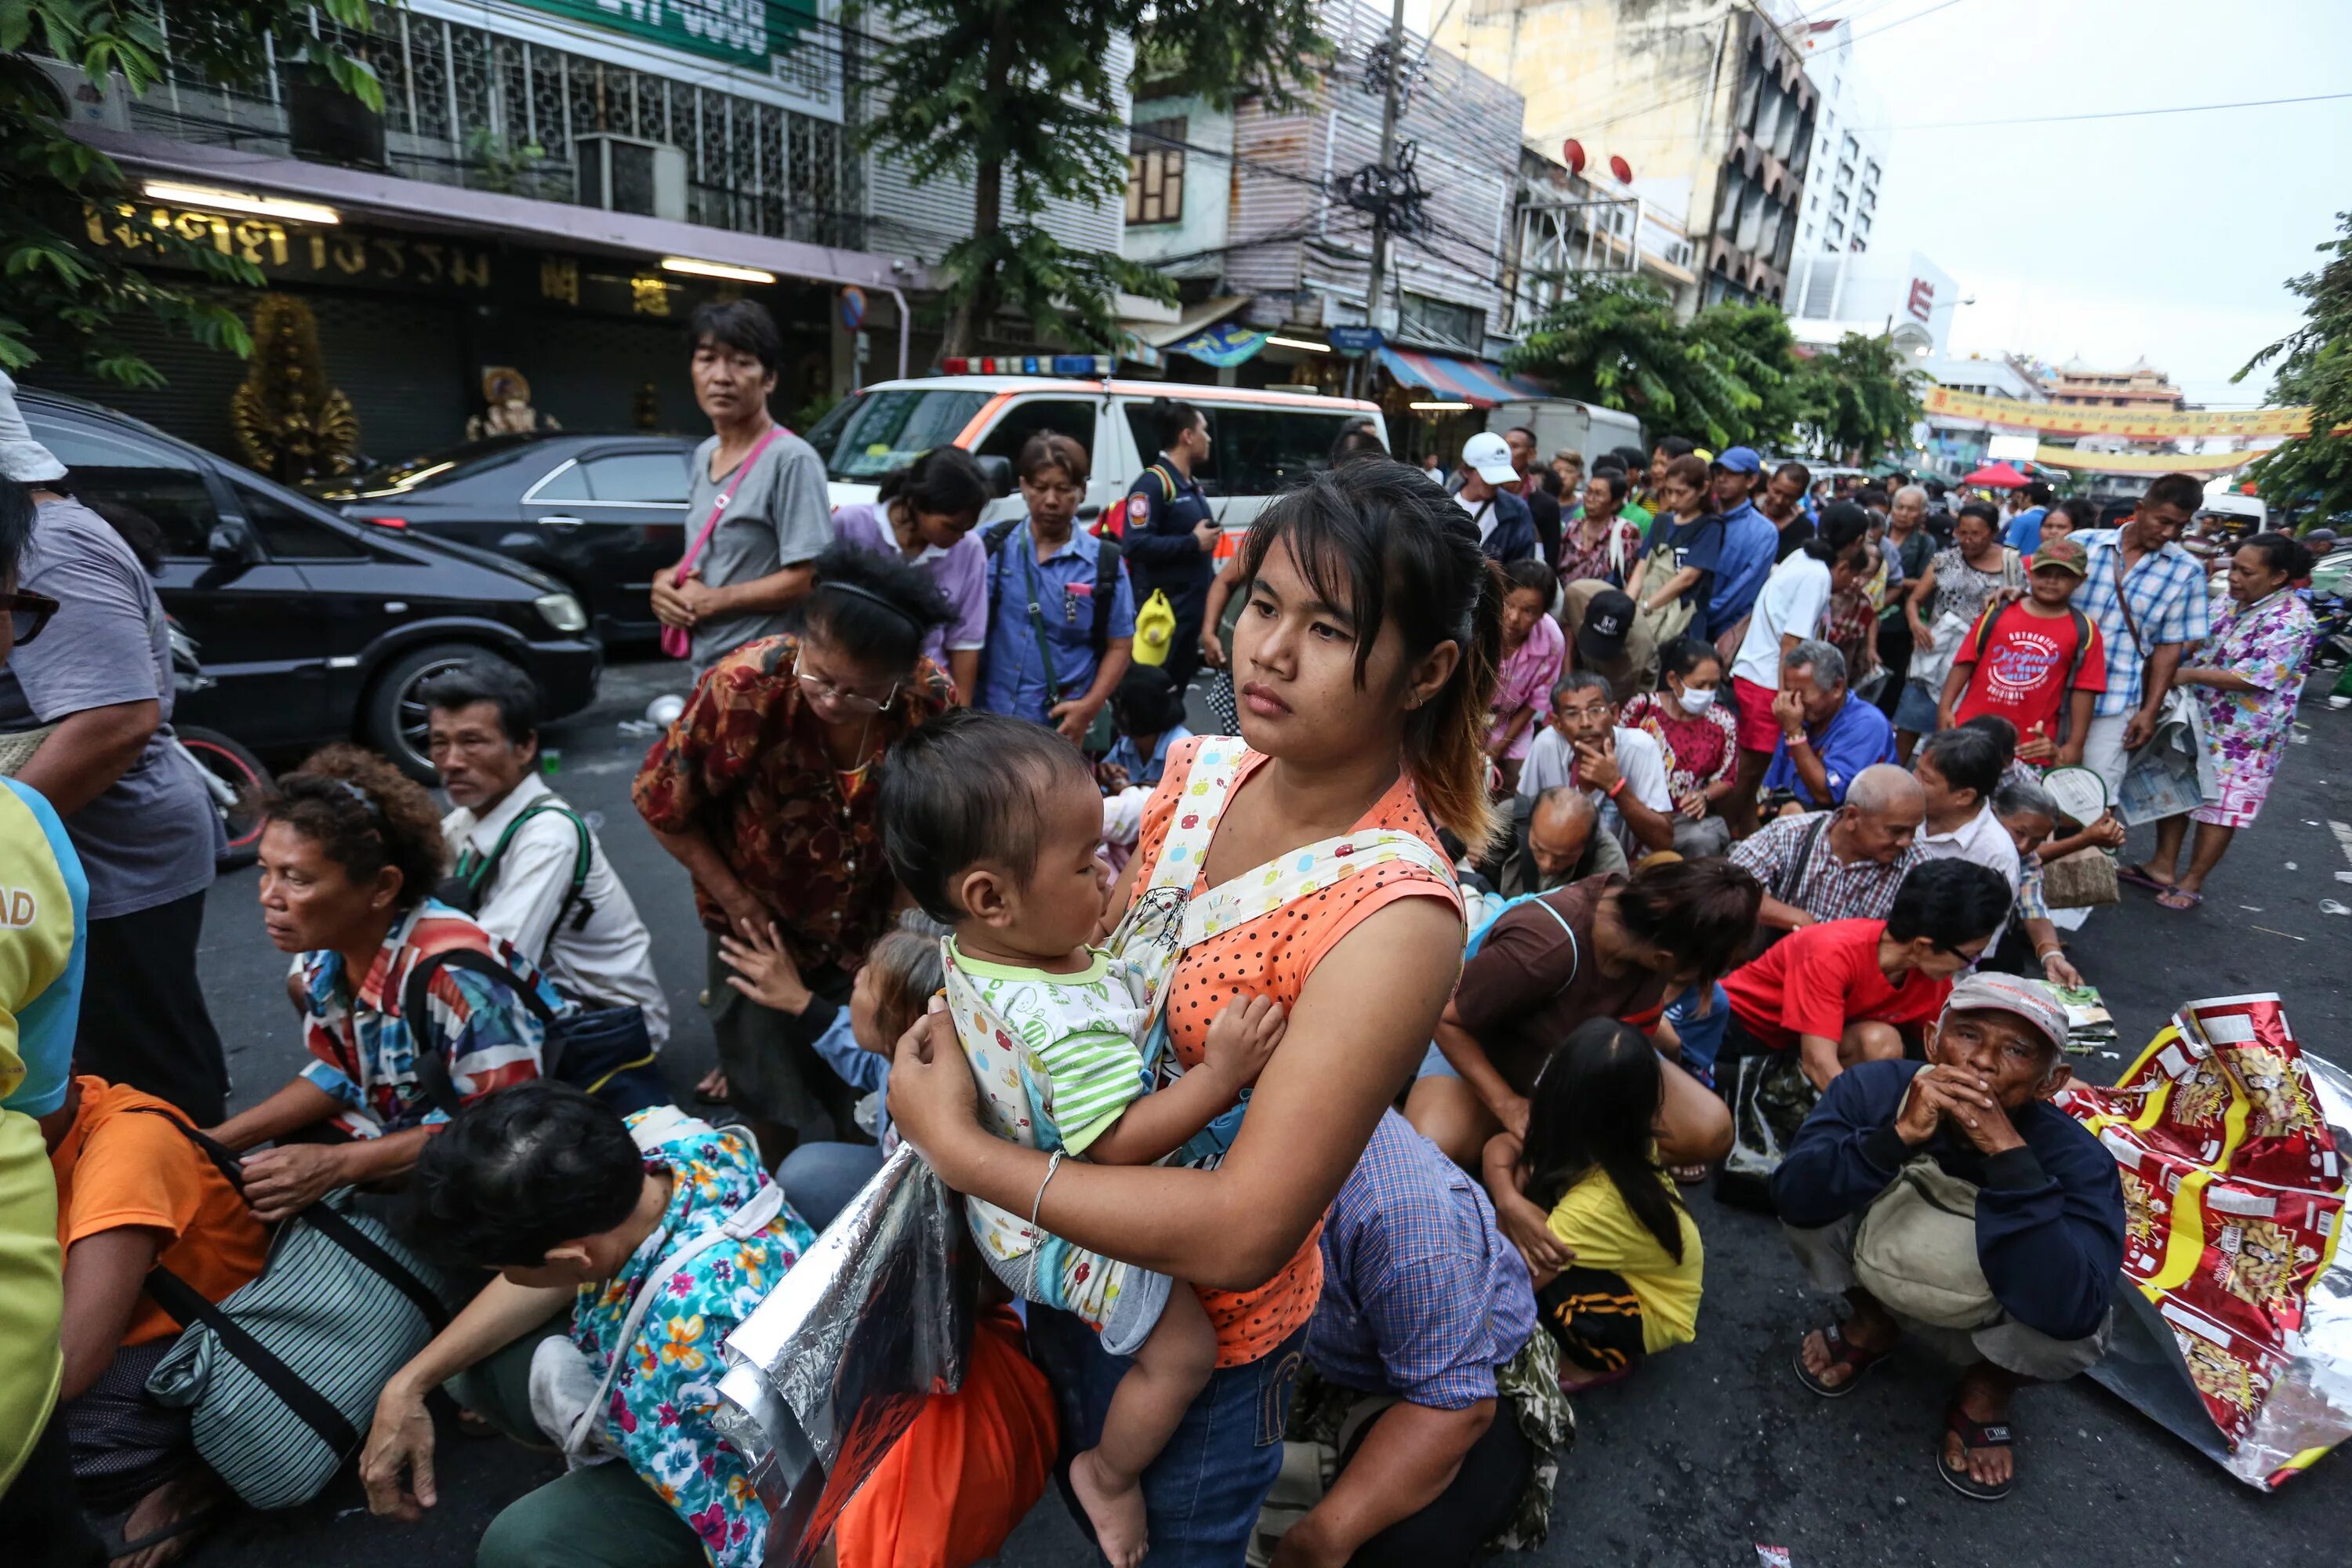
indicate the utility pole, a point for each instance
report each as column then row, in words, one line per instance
column 1388, row 164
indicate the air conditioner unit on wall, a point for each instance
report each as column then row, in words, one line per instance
column 105, row 104
column 623, row 175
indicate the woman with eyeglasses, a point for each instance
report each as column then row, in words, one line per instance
column 1061, row 613
column 763, row 789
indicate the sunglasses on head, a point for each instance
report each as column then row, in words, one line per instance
column 27, row 614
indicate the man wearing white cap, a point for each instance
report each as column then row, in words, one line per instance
column 100, row 684
column 1953, row 1204
column 1507, row 528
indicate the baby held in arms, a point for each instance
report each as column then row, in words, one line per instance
column 993, row 825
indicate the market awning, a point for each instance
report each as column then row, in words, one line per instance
column 1480, row 383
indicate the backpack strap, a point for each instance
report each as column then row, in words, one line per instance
column 1542, row 901
column 1108, row 555
column 753, row 1216
column 993, row 536
column 482, row 872
column 1804, row 861
column 2073, row 673
column 417, row 1013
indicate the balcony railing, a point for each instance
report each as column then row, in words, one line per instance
column 464, row 106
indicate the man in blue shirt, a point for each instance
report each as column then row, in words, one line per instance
column 1169, row 533
column 2047, row 1233
column 1749, row 538
column 1422, row 1299
column 2024, row 535
column 1827, row 734
column 1044, row 662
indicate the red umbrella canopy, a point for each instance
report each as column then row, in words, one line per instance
column 2000, row 476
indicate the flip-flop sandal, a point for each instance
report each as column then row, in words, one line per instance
column 2179, row 898
column 111, row 1540
column 1844, row 1352
column 1972, row 1434
column 1689, row 1175
column 2139, row 878
column 1601, row 1381
column 714, row 1096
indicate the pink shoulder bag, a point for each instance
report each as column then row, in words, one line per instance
column 676, row 641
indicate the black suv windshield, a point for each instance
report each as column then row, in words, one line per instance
column 868, row 434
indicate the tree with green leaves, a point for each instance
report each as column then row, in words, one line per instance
column 1858, row 399
column 1756, row 344
column 1017, row 96
column 1613, row 339
column 2314, row 368
column 49, row 274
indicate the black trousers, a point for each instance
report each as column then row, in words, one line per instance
column 1452, row 1533
column 143, row 1021
column 1894, row 647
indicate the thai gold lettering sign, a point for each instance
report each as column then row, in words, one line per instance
column 297, row 251
column 2058, row 419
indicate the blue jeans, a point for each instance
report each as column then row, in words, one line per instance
column 1202, row 1494
column 819, row 1179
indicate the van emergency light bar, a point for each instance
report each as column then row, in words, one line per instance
column 1030, row 364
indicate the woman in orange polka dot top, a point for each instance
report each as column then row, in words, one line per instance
column 1301, row 864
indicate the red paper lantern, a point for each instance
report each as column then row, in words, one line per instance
column 1622, row 169
column 1572, row 151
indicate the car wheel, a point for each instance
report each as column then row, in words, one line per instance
column 245, row 776
column 392, row 718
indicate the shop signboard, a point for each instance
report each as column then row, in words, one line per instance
column 741, row 32
column 1354, row 342
column 394, row 260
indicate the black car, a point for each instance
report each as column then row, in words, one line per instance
column 599, row 514
column 313, row 627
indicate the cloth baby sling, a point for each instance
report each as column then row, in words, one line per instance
column 1165, row 918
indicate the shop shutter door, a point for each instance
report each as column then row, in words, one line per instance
column 585, row 370
column 401, row 362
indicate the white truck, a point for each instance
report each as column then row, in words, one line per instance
column 1565, row 425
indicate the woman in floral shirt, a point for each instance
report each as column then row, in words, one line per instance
column 583, row 1214
column 1695, row 730
column 1600, row 543
column 763, row 790
column 2246, row 681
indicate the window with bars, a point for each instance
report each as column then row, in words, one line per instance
column 1155, row 172
column 464, row 106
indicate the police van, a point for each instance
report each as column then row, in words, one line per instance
column 1261, row 443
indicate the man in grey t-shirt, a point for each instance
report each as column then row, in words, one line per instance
column 756, row 564
column 777, row 522
column 133, row 802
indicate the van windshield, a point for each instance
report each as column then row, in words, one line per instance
column 868, row 434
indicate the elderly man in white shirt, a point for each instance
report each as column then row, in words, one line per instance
column 524, row 864
column 1622, row 771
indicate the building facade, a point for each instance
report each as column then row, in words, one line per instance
column 1954, row 446
column 1259, row 214
column 1706, row 102
column 1849, row 160
column 1906, row 297
column 521, row 204
column 2139, row 386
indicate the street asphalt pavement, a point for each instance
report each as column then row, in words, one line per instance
column 1712, row 1449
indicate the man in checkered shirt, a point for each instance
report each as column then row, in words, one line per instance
column 2150, row 599
column 1839, row 865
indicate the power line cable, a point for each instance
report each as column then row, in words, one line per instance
column 2118, row 113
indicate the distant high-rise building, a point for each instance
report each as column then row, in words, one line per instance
column 1849, row 160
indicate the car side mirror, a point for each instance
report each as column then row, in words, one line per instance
column 998, row 472
column 232, row 544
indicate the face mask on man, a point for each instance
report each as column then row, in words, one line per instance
column 1694, row 700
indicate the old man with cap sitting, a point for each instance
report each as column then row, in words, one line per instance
column 1954, row 1204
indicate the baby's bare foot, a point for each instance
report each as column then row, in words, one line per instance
column 1114, row 1508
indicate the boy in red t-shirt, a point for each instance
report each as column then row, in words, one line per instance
column 2038, row 663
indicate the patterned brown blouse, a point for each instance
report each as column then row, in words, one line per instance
column 746, row 762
